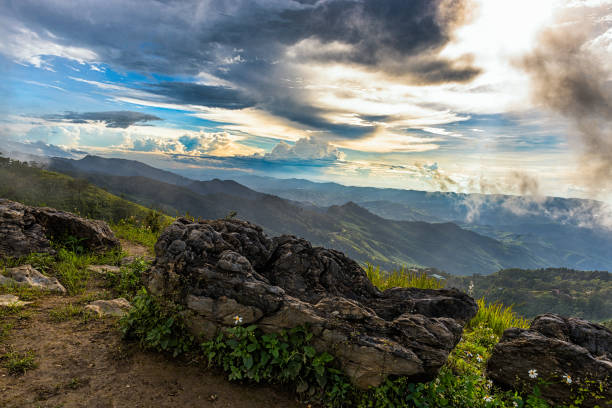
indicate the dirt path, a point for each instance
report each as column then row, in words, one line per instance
column 85, row 363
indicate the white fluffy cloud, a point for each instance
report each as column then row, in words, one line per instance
column 308, row 148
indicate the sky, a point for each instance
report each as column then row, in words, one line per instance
column 504, row 96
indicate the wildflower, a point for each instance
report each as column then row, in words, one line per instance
column 567, row 378
column 468, row 354
column 533, row 373
column 514, row 404
column 237, row 320
column 479, row 358
column 488, row 398
column 489, row 383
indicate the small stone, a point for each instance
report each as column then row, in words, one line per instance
column 115, row 307
column 26, row 275
column 103, row 269
column 12, row 300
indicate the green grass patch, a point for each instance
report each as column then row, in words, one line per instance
column 19, row 363
column 134, row 231
column 66, row 312
column 403, row 278
column 497, row 317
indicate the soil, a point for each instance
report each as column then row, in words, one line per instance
column 85, row 363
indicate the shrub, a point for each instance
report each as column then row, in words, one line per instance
column 128, row 281
column 156, row 325
column 285, row 358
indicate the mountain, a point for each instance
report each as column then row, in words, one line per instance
column 559, row 232
column 348, row 227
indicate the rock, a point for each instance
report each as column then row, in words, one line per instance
column 226, row 268
column 25, row 230
column 26, row 275
column 556, row 346
column 103, row 269
column 115, row 307
column 11, row 300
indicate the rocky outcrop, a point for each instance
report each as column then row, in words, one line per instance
column 25, row 230
column 227, row 272
column 567, row 353
column 26, row 275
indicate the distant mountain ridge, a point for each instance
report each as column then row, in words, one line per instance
column 348, row 227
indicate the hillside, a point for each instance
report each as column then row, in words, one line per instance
column 349, row 228
column 34, row 186
column 586, row 294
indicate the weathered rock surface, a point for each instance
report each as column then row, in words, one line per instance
column 103, row 269
column 25, row 230
column 115, row 307
column 556, row 346
column 226, row 268
column 26, row 275
column 11, row 300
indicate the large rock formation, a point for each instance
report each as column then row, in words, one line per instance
column 227, row 268
column 25, row 230
column 567, row 353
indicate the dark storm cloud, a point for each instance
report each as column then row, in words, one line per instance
column 112, row 119
column 243, row 41
column 196, row 94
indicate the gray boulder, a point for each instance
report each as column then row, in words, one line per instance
column 26, row 275
column 567, row 353
column 225, row 269
column 114, row 307
column 25, row 230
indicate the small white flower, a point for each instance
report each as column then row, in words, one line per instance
column 533, row 373
column 514, row 404
column 567, row 378
column 237, row 320
column 468, row 354
column 488, row 398
column 479, row 358
column 489, row 383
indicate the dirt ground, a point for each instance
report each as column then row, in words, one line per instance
column 85, row 363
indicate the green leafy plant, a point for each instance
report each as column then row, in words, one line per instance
column 285, row 358
column 19, row 363
column 156, row 325
column 128, row 281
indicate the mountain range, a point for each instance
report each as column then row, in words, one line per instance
column 387, row 227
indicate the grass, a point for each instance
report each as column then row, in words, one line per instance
column 403, row 278
column 66, row 312
column 497, row 317
column 19, row 363
column 134, row 231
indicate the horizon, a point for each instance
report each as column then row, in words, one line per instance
column 457, row 100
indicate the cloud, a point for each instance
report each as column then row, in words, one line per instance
column 257, row 50
column 193, row 144
column 205, row 95
column 308, row 149
column 39, row 148
column 112, row 119
column 570, row 78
